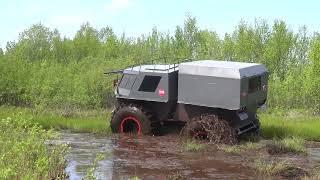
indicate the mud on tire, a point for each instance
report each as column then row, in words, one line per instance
column 130, row 119
column 212, row 128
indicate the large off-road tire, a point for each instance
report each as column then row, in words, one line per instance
column 130, row 119
column 212, row 128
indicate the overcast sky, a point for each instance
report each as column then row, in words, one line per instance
column 135, row 17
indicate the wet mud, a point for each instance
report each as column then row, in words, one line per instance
column 161, row 157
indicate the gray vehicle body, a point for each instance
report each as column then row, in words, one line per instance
column 178, row 91
column 137, row 81
column 221, row 84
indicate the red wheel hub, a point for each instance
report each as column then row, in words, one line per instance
column 130, row 124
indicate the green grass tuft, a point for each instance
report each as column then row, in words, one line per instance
column 235, row 149
column 90, row 173
column 273, row 125
column 287, row 145
column 193, row 146
column 86, row 121
column 286, row 125
column 269, row 168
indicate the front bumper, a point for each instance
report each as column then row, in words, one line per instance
column 246, row 122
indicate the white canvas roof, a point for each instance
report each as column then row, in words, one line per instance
column 224, row 69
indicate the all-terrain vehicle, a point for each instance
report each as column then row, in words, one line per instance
column 214, row 98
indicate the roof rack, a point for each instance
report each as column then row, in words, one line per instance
column 154, row 62
column 113, row 72
column 170, row 66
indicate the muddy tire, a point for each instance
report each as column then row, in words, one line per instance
column 130, row 119
column 212, row 128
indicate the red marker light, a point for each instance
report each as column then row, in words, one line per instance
column 161, row 92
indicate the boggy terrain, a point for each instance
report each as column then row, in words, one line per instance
column 171, row 157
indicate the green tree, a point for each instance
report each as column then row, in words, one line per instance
column 191, row 36
column 58, row 50
column 43, row 68
column 166, row 48
column 140, row 50
column 313, row 80
column 250, row 41
column 86, row 42
column 33, row 44
column 244, row 45
column 209, row 45
column 302, row 46
column 228, row 48
column 260, row 38
column 1, row 53
column 279, row 47
column 125, row 47
column 180, row 45
column 10, row 47
column 154, row 44
column 110, row 45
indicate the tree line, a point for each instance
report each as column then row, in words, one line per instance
column 42, row 68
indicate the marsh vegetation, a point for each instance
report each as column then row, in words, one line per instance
column 48, row 81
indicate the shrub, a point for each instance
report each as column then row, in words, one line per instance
column 24, row 153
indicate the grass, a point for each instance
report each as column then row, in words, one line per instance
column 24, row 153
column 269, row 168
column 78, row 121
column 235, row 149
column 315, row 174
column 90, row 173
column 193, row 146
column 287, row 145
column 274, row 124
column 275, row 146
column 291, row 123
column 134, row 178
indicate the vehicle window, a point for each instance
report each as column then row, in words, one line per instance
column 150, row 83
column 124, row 81
column 254, row 84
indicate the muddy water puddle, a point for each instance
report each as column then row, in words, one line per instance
column 314, row 153
column 162, row 157
column 148, row 157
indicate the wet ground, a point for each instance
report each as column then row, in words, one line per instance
column 154, row 157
